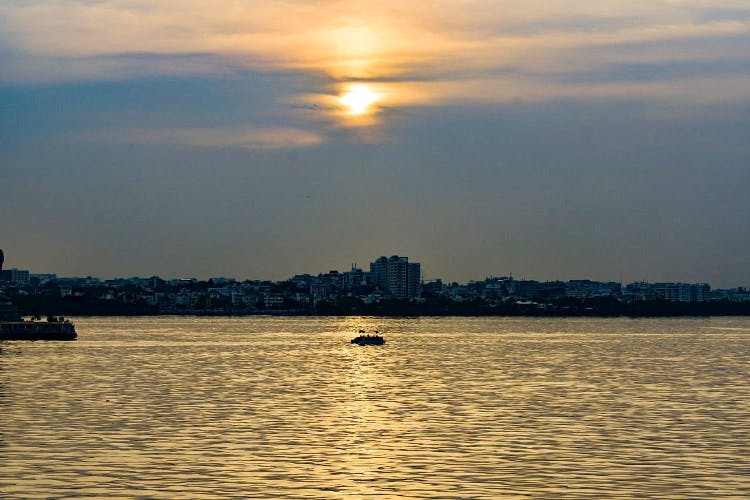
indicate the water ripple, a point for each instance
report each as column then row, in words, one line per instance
column 447, row 408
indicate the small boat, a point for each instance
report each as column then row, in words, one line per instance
column 367, row 339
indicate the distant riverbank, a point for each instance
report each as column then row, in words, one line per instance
column 596, row 307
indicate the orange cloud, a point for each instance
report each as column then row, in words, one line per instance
column 435, row 50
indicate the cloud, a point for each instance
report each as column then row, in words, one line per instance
column 217, row 137
column 548, row 48
column 21, row 67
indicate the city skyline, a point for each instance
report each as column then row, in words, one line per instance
column 392, row 286
column 560, row 275
column 262, row 139
column 354, row 267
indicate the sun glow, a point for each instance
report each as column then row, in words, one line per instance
column 358, row 99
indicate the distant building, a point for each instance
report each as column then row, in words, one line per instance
column 682, row 292
column 43, row 278
column 320, row 289
column 222, row 280
column 433, row 288
column 302, row 281
column 700, row 292
column 15, row 275
column 671, row 292
column 740, row 294
column 271, row 300
column 587, row 288
column 414, row 280
column 639, row 291
column 459, row 293
column 354, row 278
column 379, row 273
column 522, row 289
column 397, row 277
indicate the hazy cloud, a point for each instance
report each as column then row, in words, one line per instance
column 215, row 137
column 381, row 40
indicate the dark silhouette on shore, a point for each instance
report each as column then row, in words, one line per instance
column 436, row 306
column 358, row 293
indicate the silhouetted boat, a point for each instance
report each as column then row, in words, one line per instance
column 12, row 327
column 37, row 330
column 368, row 339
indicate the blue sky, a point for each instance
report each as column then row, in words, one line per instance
column 547, row 139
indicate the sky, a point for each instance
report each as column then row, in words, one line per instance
column 607, row 140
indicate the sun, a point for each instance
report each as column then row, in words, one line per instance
column 358, row 99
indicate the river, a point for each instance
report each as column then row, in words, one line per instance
column 269, row 407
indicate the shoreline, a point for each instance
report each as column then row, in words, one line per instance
column 605, row 307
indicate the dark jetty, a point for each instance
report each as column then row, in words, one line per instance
column 366, row 339
column 12, row 327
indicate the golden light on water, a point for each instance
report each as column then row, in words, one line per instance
column 358, row 99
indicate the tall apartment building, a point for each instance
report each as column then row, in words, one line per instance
column 379, row 273
column 396, row 276
column 398, row 272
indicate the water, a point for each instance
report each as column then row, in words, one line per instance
column 448, row 408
